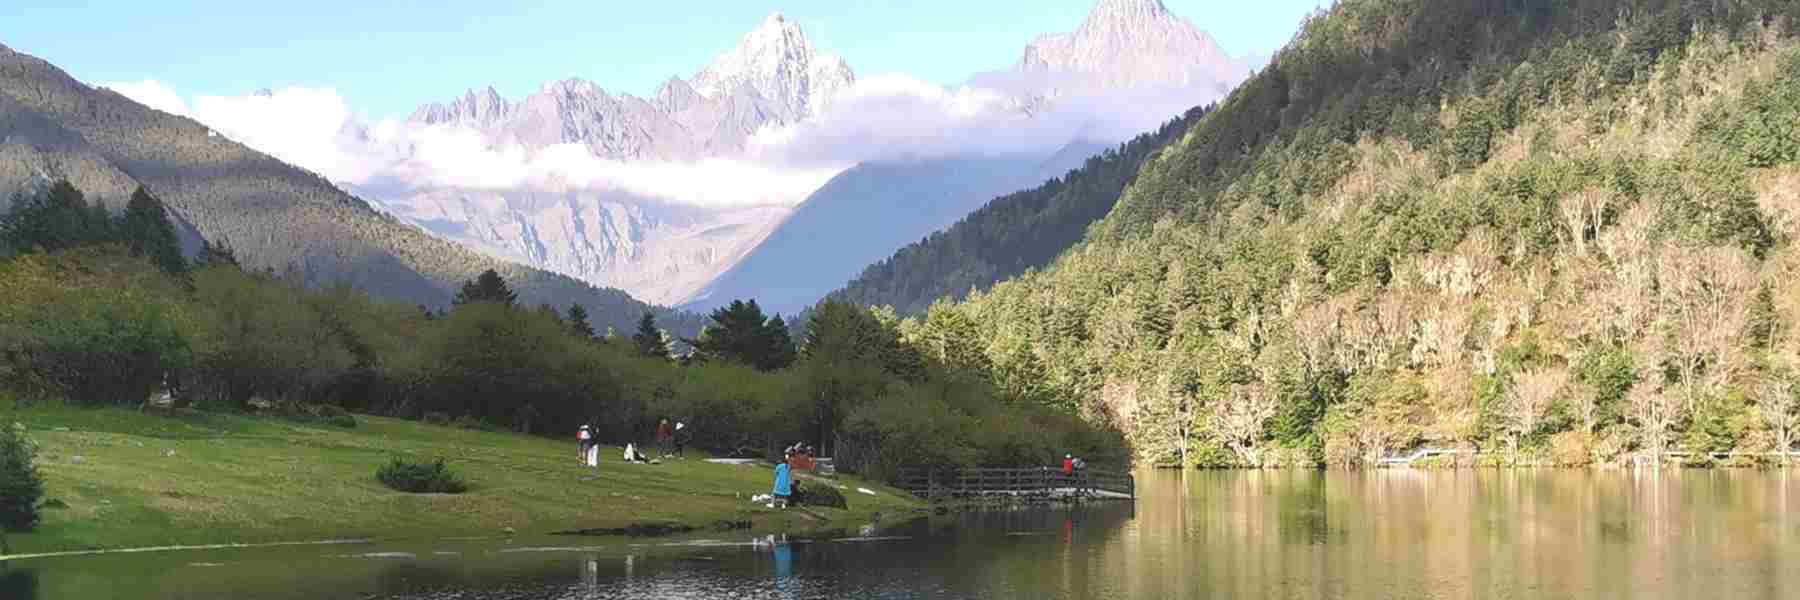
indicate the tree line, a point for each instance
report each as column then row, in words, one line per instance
column 102, row 310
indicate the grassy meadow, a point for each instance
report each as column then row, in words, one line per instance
column 117, row 478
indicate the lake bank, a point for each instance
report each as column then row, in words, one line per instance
column 122, row 479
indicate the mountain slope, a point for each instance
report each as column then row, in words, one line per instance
column 860, row 215
column 1542, row 230
column 1009, row 235
column 275, row 215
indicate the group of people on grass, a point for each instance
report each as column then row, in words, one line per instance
column 669, row 443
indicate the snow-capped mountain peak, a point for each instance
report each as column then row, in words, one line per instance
column 780, row 64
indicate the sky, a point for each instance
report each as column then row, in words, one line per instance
column 386, row 58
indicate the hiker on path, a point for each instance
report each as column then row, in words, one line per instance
column 677, row 437
column 784, row 484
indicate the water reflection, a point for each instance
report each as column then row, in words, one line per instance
column 1274, row 534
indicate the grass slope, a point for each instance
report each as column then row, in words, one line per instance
column 239, row 479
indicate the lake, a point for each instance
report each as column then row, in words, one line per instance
column 1403, row 534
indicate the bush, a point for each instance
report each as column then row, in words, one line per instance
column 433, row 477
column 473, row 423
column 1571, row 449
column 818, row 494
column 344, row 421
column 436, row 418
column 20, row 485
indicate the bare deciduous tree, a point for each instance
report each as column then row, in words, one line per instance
column 1241, row 417
column 1528, row 401
column 1655, row 414
column 1779, row 406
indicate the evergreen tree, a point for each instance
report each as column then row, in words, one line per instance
column 20, row 485
column 780, row 353
column 740, row 333
column 578, row 322
column 147, row 231
column 56, row 219
column 488, row 287
column 649, row 338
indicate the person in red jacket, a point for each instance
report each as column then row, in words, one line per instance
column 665, row 438
column 1068, row 465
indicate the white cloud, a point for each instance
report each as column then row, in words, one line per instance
column 895, row 116
column 881, row 117
column 314, row 128
column 151, row 93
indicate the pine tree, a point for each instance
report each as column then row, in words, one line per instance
column 56, row 219
column 780, row 353
column 649, row 338
column 147, row 231
column 488, row 287
column 739, row 333
column 578, row 322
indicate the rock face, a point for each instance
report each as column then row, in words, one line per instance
column 772, row 77
column 1126, row 43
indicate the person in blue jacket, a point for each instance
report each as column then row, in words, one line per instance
column 784, row 484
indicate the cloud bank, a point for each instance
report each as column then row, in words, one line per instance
column 887, row 117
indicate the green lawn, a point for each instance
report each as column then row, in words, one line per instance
column 240, row 479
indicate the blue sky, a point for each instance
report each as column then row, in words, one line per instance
column 385, row 58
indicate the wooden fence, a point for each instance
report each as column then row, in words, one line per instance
column 1029, row 482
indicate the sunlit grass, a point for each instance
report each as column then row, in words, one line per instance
column 150, row 479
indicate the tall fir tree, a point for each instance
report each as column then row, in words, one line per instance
column 578, row 322
column 649, row 338
column 147, row 231
column 487, row 287
column 781, row 352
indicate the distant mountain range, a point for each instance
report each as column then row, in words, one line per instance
column 275, row 215
column 702, row 257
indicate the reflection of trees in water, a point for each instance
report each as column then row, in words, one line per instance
column 19, row 584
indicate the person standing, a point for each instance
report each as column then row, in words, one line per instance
column 676, row 436
column 665, row 436
column 584, row 437
column 784, row 484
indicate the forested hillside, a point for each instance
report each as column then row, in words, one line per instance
column 1557, row 232
column 1011, row 234
column 275, row 215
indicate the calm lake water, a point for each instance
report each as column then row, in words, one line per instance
column 1710, row 534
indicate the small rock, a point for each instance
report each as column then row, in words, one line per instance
column 510, row 531
column 168, row 453
column 59, row 429
column 76, row 460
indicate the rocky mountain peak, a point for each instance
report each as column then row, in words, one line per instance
column 778, row 61
column 484, row 106
column 1125, row 43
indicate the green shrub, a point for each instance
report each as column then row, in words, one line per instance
column 344, row 421
column 433, row 477
column 472, row 423
column 818, row 494
column 436, row 418
column 20, row 484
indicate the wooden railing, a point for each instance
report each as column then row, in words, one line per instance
column 1024, row 482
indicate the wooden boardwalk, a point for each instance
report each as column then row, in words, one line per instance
column 1020, row 483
